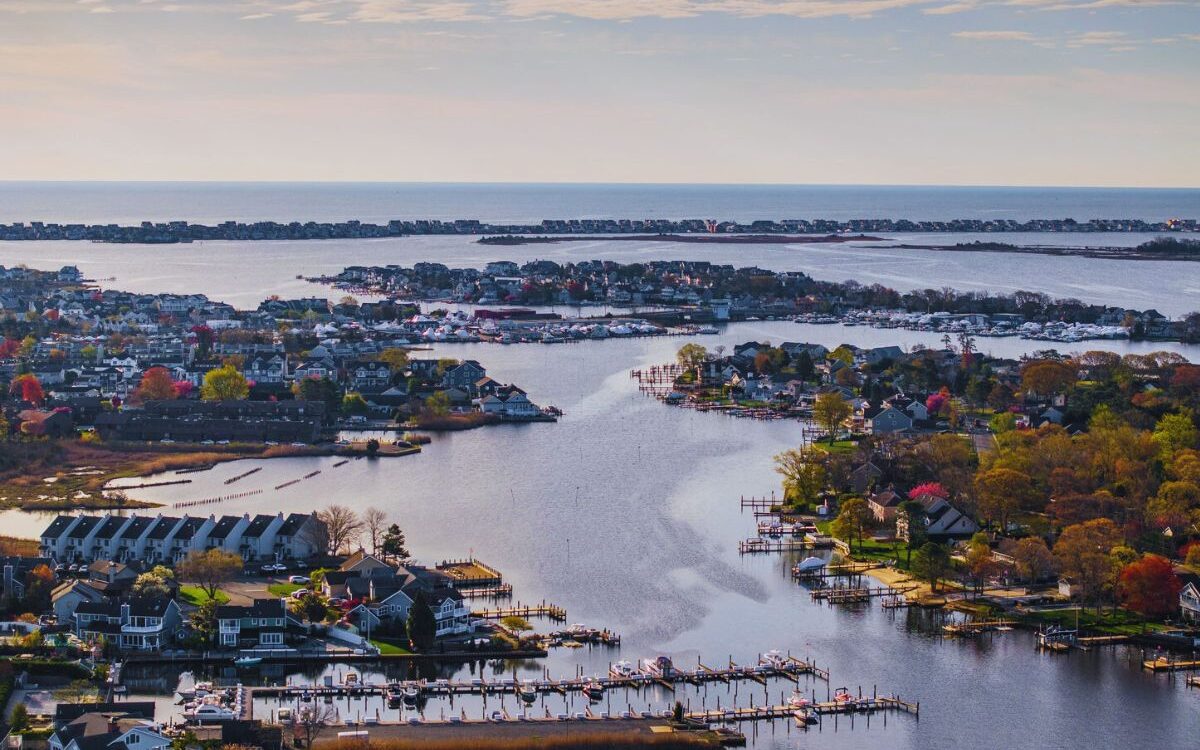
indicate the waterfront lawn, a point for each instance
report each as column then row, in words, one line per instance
column 1120, row 622
column 838, row 447
column 284, row 589
column 196, row 596
column 390, row 647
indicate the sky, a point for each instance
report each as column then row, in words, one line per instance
column 945, row 92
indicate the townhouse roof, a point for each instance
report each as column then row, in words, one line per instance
column 85, row 525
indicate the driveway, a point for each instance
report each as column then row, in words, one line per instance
column 243, row 593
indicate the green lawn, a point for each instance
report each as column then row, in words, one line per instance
column 388, row 648
column 1121, row 622
column 839, row 446
column 284, row 589
column 196, row 596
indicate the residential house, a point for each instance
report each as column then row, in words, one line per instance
column 67, row 596
column 942, row 520
column 888, row 420
column 464, row 375
column 135, row 626
column 885, row 505
column 261, row 624
column 1189, row 599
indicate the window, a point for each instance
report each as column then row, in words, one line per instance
column 271, row 639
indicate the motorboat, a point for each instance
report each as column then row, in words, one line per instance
column 773, row 658
column 804, row 717
column 808, row 566
column 593, row 689
column 623, row 668
column 798, row 700
column 247, row 661
column 527, row 691
column 660, row 666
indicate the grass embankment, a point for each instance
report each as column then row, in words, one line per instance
column 837, row 447
column 1120, row 622
column 450, row 422
column 284, row 588
column 196, row 596
column 390, row 647
column 72, row 474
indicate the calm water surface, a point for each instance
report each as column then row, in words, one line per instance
column 625, row 512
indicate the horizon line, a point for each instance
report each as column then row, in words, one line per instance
column 563, row 183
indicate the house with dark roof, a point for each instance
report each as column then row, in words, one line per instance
column 144, row 625
column 261, row 624
column 885, row 504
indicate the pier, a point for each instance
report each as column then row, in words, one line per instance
column 760, row 503
column 975, row 627
column 1166, row 664
column 780, row 545
column 847, row 594
column 549, row 611
column 836, row 570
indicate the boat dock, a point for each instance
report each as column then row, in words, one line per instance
column 760, row 503
column 975, row 627
column 791, row 669
column 1165, row 664
column 845, row 594
column 503, row 591
column 865, row 705
column 836, row 570
column 549, row 611
column 759, row 544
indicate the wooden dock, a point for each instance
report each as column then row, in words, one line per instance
column 975, row 627
column 836, row 570
column 846, row 594
column 791, row 669
column 1164, row 664
column 760, row 503
column 864, row 705
column 549, row 611
column 761, row 545
column 503, row 591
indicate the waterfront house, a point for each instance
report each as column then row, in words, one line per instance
column 368, row 376
column 942, row 520
column 888, row 420
column 261, row 624
column 109, row 728
column 67, row 596
column 1189, row 599
column 135, row 626
column 885, row 504
column 464, row 375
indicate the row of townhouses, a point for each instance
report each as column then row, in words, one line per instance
column 167, row 540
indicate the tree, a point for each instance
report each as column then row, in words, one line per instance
column 27, row 388
column 1048, row 377
column 354, row 403
column 1083, row 555
column 913, row 513
column 853, row 519
column 1150, row 587
column 438, row 404
column 1034, row 559
column 225, row 383
column 39, row 584
column 18, row 720
column 342, row 527
column 374, row 520
column 156, row 385
column 1000, row 492
column 312, row 607
column 153, row 584
column 931, row 563
column 803, row 477
column 691, row 356
column 1174, row 504
column 422, row 625
column 980, row 565
column 396, row 358
column 204, row 620
column 516, row 624
column 392, row 544
column 210, row 569
column 1176, row 432
column 312, row 718
column 829, row 411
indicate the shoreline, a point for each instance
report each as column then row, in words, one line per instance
column 1097, row 253
column 697, row 239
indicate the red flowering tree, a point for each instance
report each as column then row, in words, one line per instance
column 27, row 388
column 1150, row 586
column 9, row 348
column 929, row 488
column 156, row 385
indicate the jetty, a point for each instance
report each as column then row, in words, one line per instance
column 759, row 544
column 849, row 594
column 836, row 570
column 760, row 503
column 860, row 705
column 1167, row 664
column 975, row 627
column 549, row 611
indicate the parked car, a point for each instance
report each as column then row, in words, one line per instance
column 300, row 593
column 298, row 579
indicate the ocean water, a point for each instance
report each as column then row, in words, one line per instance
column 125, row 202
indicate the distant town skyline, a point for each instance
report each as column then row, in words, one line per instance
column 890, row 92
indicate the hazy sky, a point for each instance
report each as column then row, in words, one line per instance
column 1002, row 92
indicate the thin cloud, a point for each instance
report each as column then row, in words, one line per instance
column 996, row 36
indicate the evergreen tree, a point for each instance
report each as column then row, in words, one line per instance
column 422, row 626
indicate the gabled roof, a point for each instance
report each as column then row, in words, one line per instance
column 136, row 527
column 258, row 525
column 224, row 527
column 111, row 526
column 85, row 525
column 258, row 608
column 162, row 527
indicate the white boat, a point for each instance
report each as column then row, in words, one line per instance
column 527, row 691
column 209, row 712
column 798, row 700
column 773, row 658
column 804, row 717
column 808, row 565
column 623, row 668
column 247, row 661
column 593, row 689
column 658, row 667
column 707, row 330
